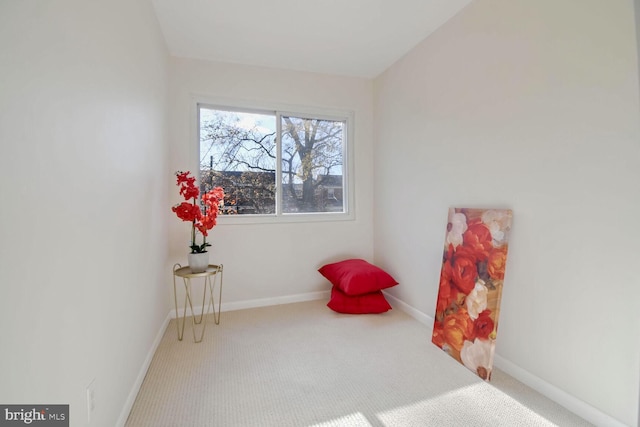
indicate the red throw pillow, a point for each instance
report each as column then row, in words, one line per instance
column 370, row 303
column 357, row 276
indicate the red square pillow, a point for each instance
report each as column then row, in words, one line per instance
column 357, row 276
column 361, row 304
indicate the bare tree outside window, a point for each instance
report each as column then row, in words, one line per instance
column 312, row 165
column 239, row 151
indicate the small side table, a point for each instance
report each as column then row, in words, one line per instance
column 210, row 276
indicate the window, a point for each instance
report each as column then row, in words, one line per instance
column 272, row 163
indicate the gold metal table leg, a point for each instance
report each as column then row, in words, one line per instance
column 187, row 286
column 210, row 303
column 175, row 300
column 204, row 296
column 217, row 319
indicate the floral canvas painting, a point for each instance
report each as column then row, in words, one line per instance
column 471, row 280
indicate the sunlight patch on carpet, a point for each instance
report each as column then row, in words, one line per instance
column 352, row 420
column 480, row 402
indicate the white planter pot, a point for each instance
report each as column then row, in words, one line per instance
column 198, row 262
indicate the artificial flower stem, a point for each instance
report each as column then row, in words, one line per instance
column 193, row 231
column 193, row 236
column 204, row 237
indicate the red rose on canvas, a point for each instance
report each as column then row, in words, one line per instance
column 483, row 325
column 464, row 273
column 447, row 293
column 477, row 240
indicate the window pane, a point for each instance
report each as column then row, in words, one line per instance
column 312, row 163
column 238, row 153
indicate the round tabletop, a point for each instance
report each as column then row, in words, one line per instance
column 186, row 271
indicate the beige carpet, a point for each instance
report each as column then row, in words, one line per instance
column 304, row 365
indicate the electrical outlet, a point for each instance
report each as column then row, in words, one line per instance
column 91, row 399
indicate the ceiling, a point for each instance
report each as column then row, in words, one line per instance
column 344, row 37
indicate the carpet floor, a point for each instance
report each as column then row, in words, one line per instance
column 304, row 365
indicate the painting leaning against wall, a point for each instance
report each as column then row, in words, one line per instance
column 471, row 280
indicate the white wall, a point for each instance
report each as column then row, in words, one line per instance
column 532, row 106
column 83, row 161
column 272, row 261
column 636, row 7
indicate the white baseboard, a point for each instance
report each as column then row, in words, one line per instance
column 425, row 319
column 563, row 398
column 573, row 404
column 262, row 302
column 124, row 414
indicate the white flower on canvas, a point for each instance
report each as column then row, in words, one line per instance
column 477, row 299
column 477, row 356
column 498, row 223
column 456, row 228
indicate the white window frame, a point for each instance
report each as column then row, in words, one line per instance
column 280, row 110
